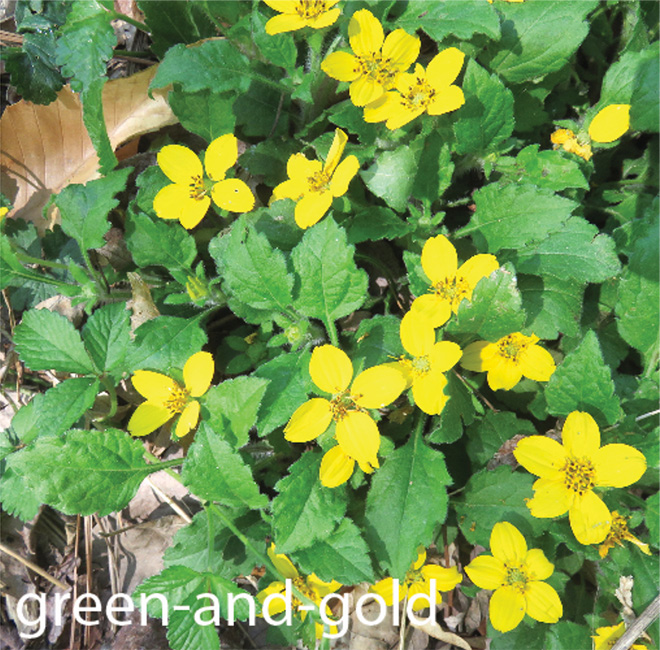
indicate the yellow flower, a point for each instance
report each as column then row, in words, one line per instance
column 449, row 284
column 3, row 212
column 296, row 14
column 187, row 198
column 568, row 140
column 166, row 397
column 618, row 533
column 429, row 91
column 418, row 581
column 508, row 360
column 310, row 586
column 376, row 61
column 313, row 185
column 516, row 574
column 610, row 123
column 425, row 371
column 357, row 434
column 606, row 637
column 569, row 473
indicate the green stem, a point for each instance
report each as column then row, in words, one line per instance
column 165, row 465
column 28, row 259
column 332, row 330
column 131, row 21
column 112, row 393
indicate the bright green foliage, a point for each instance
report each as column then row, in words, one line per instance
column 374, row 224
column 206, row 113
column 458, row 411
column 107, row 337
column 377, row 339
column 652, row 517
column 644, row 102
column 391, row 177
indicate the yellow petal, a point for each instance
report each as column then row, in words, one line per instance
column 365, row 90
column 610, row 123
column 336, row 468
column 312, row 208
column 330, row 369
column 504, row 375
column 321, row 587
column 400, row 115
column 283, row 6
column 285, row 23
column 365, row 33
column 590, row 518
column 300, row 168
column 421, row 558
column 543, row 602
column 401, row 49
column 445, row 578
column 309, row 420
column 193, row 212
column 188, row 419
column 444, row 67
column 433, row 307
column 357, row 435
column 291, row 189
column 198, row 373
column 341, row 66
column 439, row 259
column 417, row 333
column 507, row 543
column 325, row 19
column 444, row 356
column 618, row 465
column 169, row 202
column 385, row 588
column 538, row 566
column 507, row 608
column 283, row 564
column 476, row 356
column 154, row 386
column 277, row 605
column 180, row 164
column 377, row 387
column 540, row 455
column 537, row 363
column 580, row 435
column 486, row 571
column 450, row 99
column 147, row 418
column 380, row 109
column 551, row 498
column 233, row 195
column 428, row 392
column 420, row 587
column 336, row 151
column 476, row 268
column 221, row 154
column 343, row 175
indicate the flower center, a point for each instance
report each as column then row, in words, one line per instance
column 377, row 68
column 309, row 9
column 341, row 404
column 413, row 576
column 318, row 182
column 452, row 289
column 579, row 474
column 420, row 365
column 511, row 346
column 419, row 95
column 300, row 583
column 197, row 189
column 177, row 400
column 517, row 577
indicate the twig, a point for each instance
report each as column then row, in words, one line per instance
column 175, row 506
column 33, row 567
column 72, row 635
column 88, row 567
column 639, row 626
column 477, row 393
column 112, row 562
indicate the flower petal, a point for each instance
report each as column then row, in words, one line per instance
column 312, row 207
column 618, row 465
column 147, row 418
column 476, row 268
column 540, row 455
column 180, row 164
column 507, row 543
column 336, row 151
column 610, row 123
column 309, row 420
column 380, row 109
column 400, row 115
column 551, row 498
column 590, row 518
column 401, row 49
column 283, row 564
column 343, row 175
column 300, row 168
column 330, row 369
column 486, row 571
column 543, row 602
column 365, row 90
column 341, row 66
column 365, row 33
column 428, row 392
column 188, row 420
column 193, row 212
column 385, row 588
column 434, row 307
column 580, row 435
column 444, row 356
column 445, row 578
column 537, row 363
column 439, row 259
column 450, row 99
column 290, row 189
column 504, row 375
column 538, row 565
column 336, row 468
column 221, row 154
column 358, row 436
column 285, row 23
column 421, row 558
column 478, row 356
column 417, row 333
column 154, row 386
column 444, row 67
column 198, row 373
column 377, row 387
column 507, row 608
column 170, row 200
column 233, row 195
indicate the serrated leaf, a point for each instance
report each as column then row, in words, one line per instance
column 487, row 119
column 566, row 634
column 233, row 407
column 331, row 285
column 16, row 494
column 94, row 120
column 47, row 341
column 206, row 113
column 434, row 168
column 107, row 336
column 645, row 107
column 279, row 49
column 582, row 382
column 406, row 501
column 624, row 77
column 374, row 224
column 343, row 556
column 652, row 518
column 305, row 511
column 213, row 470
column 487, row 435
column 176, row 583
column 12, row 272
column 458, row 411
column 392, row 176
column 378, row 341
column 84, row 472
column 84, row 208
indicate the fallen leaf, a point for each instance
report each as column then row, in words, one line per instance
column 45, row 148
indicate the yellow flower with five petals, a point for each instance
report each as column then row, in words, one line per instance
column 187, row 198
column 296, row 14
column 569, row 472
column 516, row 574
column 313, row 185
column 356, row 432
column 167, row 398
column 606, row 637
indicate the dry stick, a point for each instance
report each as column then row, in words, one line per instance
column 72, row 635
column 175, row 506
column 34, row 567
column 88, row 566
column 112, row 563
column 639, row 626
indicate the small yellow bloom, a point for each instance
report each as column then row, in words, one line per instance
column 429, row 91
column 516, row 574
column 418, row 581
column 376, row 61
column 610, row 123
column 296, row 14
column 166, row 397
column 310, row 586
column 570, row 472
column 508, row 360
column 568, row 140
column 187, row 198
column 3, row 212
column 425, row 371
column 619, row 533
column 357, row 434
column 449, row 284
column 606, row 637
column 313, row 185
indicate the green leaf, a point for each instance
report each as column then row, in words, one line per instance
column 94, row 120
column 16, row 493
column 279, row 49
column 213, row 470
column 522, row 637
column 406, row 501
column 176, row 583
column 645, row 107
column 538, row 38
column 625, row 77
column 214, row 65
column 84, row 208
column 502, row 215
column 378, row 341
column 206, row 113
column 434, row 168
column 305, row 511
column 154, row 242
column 486, row 120
column 495, row 309
column 459, row 410
column 12, row 272
column 392, row 177
column 47, row 341
column 584, row 383
column 233, row 406
column 489, row 434
column 107, row 337
column 652, row 518
column 343, row 556
column 331, row 286
column 84, row 472
column 376, row 223
column 566, row 634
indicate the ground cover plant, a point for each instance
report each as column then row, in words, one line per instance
column 375, row 283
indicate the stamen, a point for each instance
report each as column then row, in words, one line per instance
column 512, row 345
column 318, row 182
column 452, row 289
column 197, row 189
column 177, row 400
column 311, row 8
column 579, row 475
column 517, row 577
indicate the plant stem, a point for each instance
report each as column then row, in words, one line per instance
column 131, row 21
column 165, row 465
column 332, row 330
column 28, row 259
